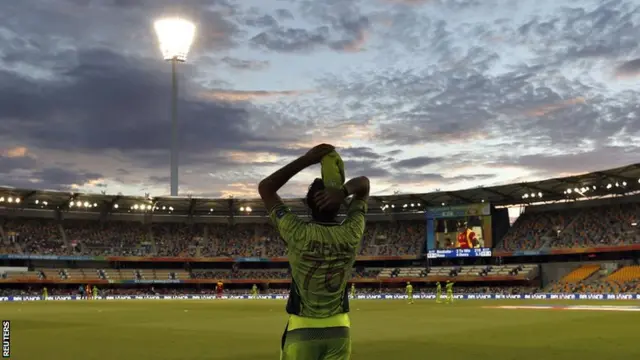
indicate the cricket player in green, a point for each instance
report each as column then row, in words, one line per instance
column 410, row 292
column 254, row 291
column 438, row 292
column 95, row 292
column 321, row 255
column 353, row 290
column 45, row 294
column 449, row 288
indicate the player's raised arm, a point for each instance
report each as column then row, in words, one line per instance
column 352, row 228
column 329, row 198
column 358, row 187
column 268, row 188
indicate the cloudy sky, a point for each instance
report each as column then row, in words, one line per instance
column 417, row 95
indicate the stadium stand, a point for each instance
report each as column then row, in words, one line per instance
column 589, row 227
column 122, row 238
column 391, row 247
column 575, row 280
column 526, row 271
column 627, row 273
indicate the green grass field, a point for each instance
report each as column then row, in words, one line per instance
column 249, row 330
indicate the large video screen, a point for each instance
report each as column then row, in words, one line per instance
column 459, row 227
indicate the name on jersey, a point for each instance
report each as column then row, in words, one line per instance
column 319, row 248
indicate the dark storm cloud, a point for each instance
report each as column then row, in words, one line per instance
column 355, row 168
column 49, row 178
column 477, row 177
column 629, row 68
column 359, row 153
column 284, row 14
column 260, row 21
column 64, row 178
column 417, row 162
column 245, row 64
column 438, row 178
column 108, row 101
column 577, row 162
column 9, row 163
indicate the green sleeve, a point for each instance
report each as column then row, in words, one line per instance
column 290, row 227
column 352, row 227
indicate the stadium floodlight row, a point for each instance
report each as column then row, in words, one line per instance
column 613, row 182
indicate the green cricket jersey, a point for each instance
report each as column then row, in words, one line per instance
column 321, row 257
column 449, row 286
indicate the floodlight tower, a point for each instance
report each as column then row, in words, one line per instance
column 175, row 36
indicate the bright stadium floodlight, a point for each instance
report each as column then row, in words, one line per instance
column 175, row 36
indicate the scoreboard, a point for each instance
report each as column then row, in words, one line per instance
column 459, row 211
column 443, row 229
column 458, row 253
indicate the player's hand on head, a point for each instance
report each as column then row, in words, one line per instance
column 316, row 153
column 329, row 198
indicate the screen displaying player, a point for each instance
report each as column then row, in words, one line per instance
column 460, row 233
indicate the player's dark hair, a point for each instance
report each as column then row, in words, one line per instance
column 326, row 215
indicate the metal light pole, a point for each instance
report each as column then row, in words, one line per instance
column 175, row 36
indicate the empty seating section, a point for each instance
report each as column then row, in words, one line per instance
column 580, row 273
column 385, row 273
column 74, row 274
column 91, row 274
column 624, row 280
column 471, row 270
column 366, row 273
column 627, row 273
column 52, row 274
column 441, row 271
column 162, row 274
column 81, row 275
column 21, row 276
column 144, row 274
column 128, row 274
column 528, row 271
column 574, row 281
column 412, row 272
column 181, row 275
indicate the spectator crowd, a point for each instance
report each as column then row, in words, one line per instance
column 610, row 225
column 130, row 238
